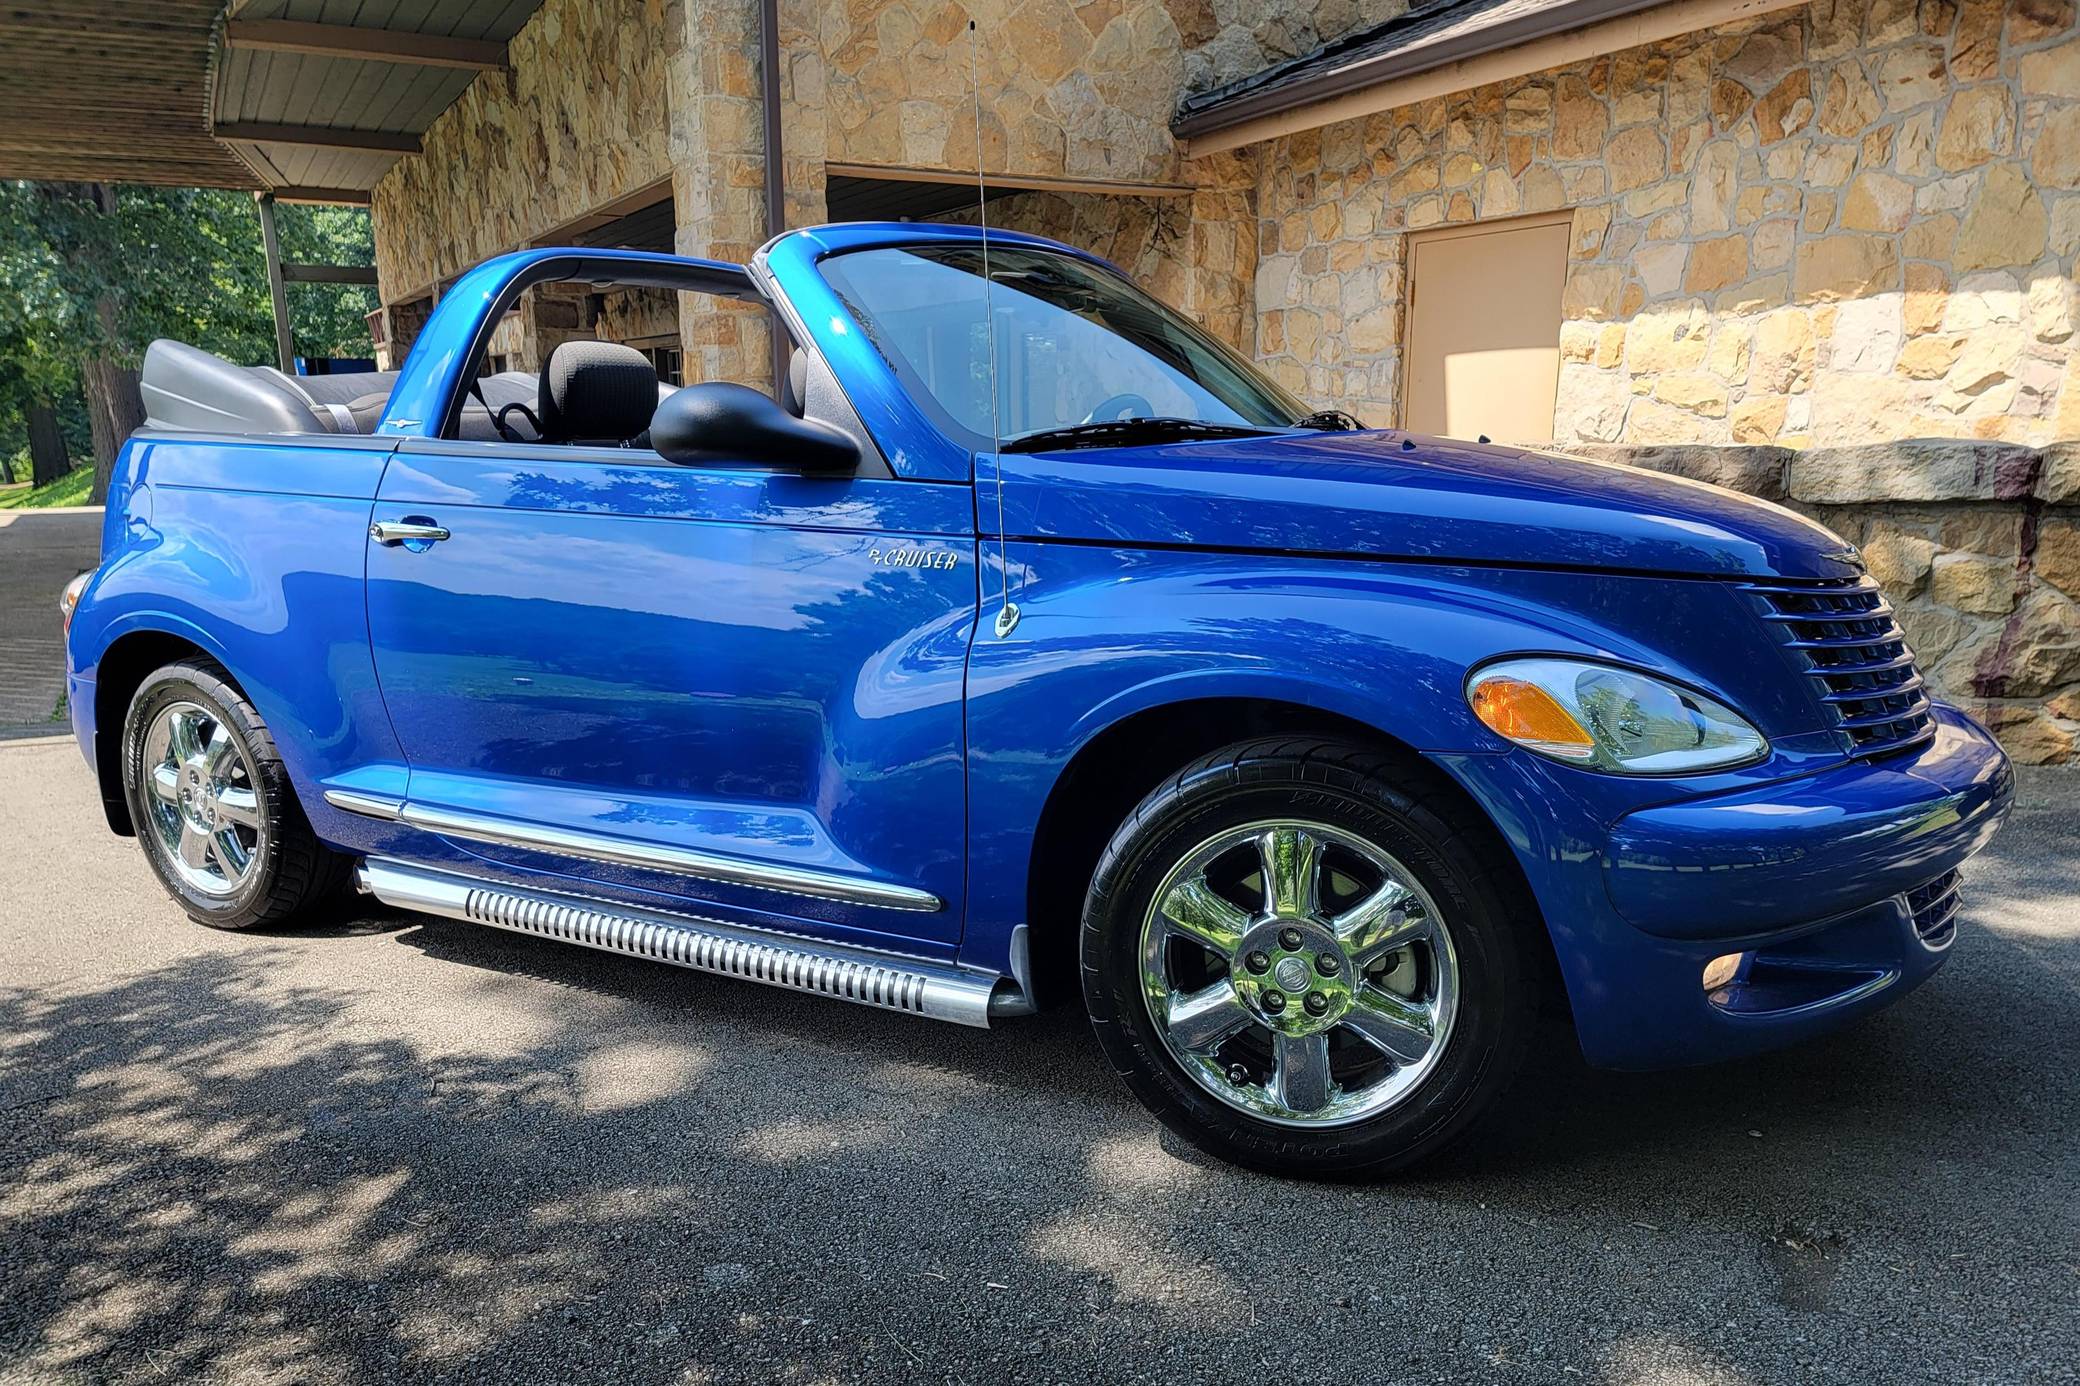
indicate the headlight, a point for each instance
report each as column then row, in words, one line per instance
column 1607, row 718
column 68, row 600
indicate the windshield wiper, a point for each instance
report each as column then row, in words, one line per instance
column 1119, row 433
column 1329, row 420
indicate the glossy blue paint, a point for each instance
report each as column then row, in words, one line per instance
column 719, row 659
column 1814, row 847
column 1366, row 495
column 738, row 661
column 429, row 386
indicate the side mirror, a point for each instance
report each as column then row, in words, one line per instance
column 715, row 421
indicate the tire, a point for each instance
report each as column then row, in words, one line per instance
column 1443, row 939
column 215, row 813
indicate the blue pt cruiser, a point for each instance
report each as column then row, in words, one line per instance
column 1026, row 645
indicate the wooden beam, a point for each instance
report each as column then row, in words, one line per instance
column 324, row 197
column 1035, row 182
column 565, row 233
column 329, row 274
column 320, row 137
column 368, row 45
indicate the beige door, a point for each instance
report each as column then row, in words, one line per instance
column 1484, row 329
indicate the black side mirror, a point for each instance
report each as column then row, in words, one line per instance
column 715, row 421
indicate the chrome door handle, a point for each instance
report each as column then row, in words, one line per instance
column 404, row 531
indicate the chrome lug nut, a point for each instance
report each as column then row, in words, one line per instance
column 1257, row 962
column 1316, row 1003
column 1274, row 1001
column 1289, row 939
column 1327, row 965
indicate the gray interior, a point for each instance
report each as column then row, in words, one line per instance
column 187, row 389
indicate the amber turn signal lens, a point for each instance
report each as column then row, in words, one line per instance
column 1519, row 711
column 1722, row 969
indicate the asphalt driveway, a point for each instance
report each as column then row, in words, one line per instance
column 40, row 551
column 399, row 1148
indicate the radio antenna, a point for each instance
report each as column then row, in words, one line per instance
column 1007, row 614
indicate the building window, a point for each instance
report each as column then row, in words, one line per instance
column 666, row 359
column 1483, row 350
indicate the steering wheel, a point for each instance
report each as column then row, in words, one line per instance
column 1119, row 407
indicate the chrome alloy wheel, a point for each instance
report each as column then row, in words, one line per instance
column 199, row 791
column 1299, row 973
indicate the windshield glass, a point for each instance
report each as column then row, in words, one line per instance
column 1075, row 344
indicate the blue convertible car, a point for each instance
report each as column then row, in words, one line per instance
column 1029, row 646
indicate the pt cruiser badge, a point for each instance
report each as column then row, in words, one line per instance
column 913, row 558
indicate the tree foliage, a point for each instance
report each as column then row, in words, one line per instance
column 91, row 276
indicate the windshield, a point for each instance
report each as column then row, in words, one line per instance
column 1075, row 344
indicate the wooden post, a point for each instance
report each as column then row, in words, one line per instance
column 277, row 287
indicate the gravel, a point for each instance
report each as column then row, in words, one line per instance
column 402, row 1149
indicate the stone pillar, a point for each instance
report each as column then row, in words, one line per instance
column 718, row 171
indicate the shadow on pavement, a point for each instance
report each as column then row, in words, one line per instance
column 212, row 1172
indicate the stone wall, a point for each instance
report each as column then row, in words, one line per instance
column 1977, row 546
column 1843, row 223
column 1226, row 40
column 576, row 121
column 1083, row 88
column 1196, row 253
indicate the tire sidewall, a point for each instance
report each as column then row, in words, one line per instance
column 190, row 683
column 1176, row 820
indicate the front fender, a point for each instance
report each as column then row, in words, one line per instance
column 1109, row 633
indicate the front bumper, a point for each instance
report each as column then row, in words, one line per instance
column 1815, row 880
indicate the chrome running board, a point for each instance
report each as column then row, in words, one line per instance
column 681, row 861
column 889, row 981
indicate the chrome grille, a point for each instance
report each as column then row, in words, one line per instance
column 1846, row 638
column 1935, row 910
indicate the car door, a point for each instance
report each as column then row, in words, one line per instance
column 709, row 682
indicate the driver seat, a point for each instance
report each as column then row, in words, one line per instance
column 598, row 394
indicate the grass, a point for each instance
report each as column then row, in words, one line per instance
column 69, row 489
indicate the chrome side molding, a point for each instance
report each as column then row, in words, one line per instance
column 680, row 861
column 887, row 981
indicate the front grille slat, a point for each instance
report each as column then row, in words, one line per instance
column 1934, row 907
column 1847, row 636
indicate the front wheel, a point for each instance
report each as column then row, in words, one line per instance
column 1304, row 957
column 213, row 807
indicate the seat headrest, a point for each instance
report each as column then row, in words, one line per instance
column 794, row 393
column 596, row 392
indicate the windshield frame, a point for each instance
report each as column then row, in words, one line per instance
column 974, row 443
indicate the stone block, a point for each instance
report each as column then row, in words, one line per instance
column 1914, row 469
column 1717, row 264
column 1877, row 202
column 2055, row 152
column 1754, row 471
column 2058, row 481
column 1758, row 419
column 2057, row 559
column 1900, row 561
column 1971, row 583
column 1846, row 266
column 1932, row 633
column 2006, row 224
column 2037, row 652
column 2029, row 734
column 1979, row 125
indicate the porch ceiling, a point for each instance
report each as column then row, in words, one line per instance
column 313, row 99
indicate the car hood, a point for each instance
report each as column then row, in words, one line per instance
column 1396, row 495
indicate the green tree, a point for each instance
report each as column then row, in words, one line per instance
column 90, row 274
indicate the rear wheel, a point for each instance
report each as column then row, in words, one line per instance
column 213, row 807
column 1303, row 957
